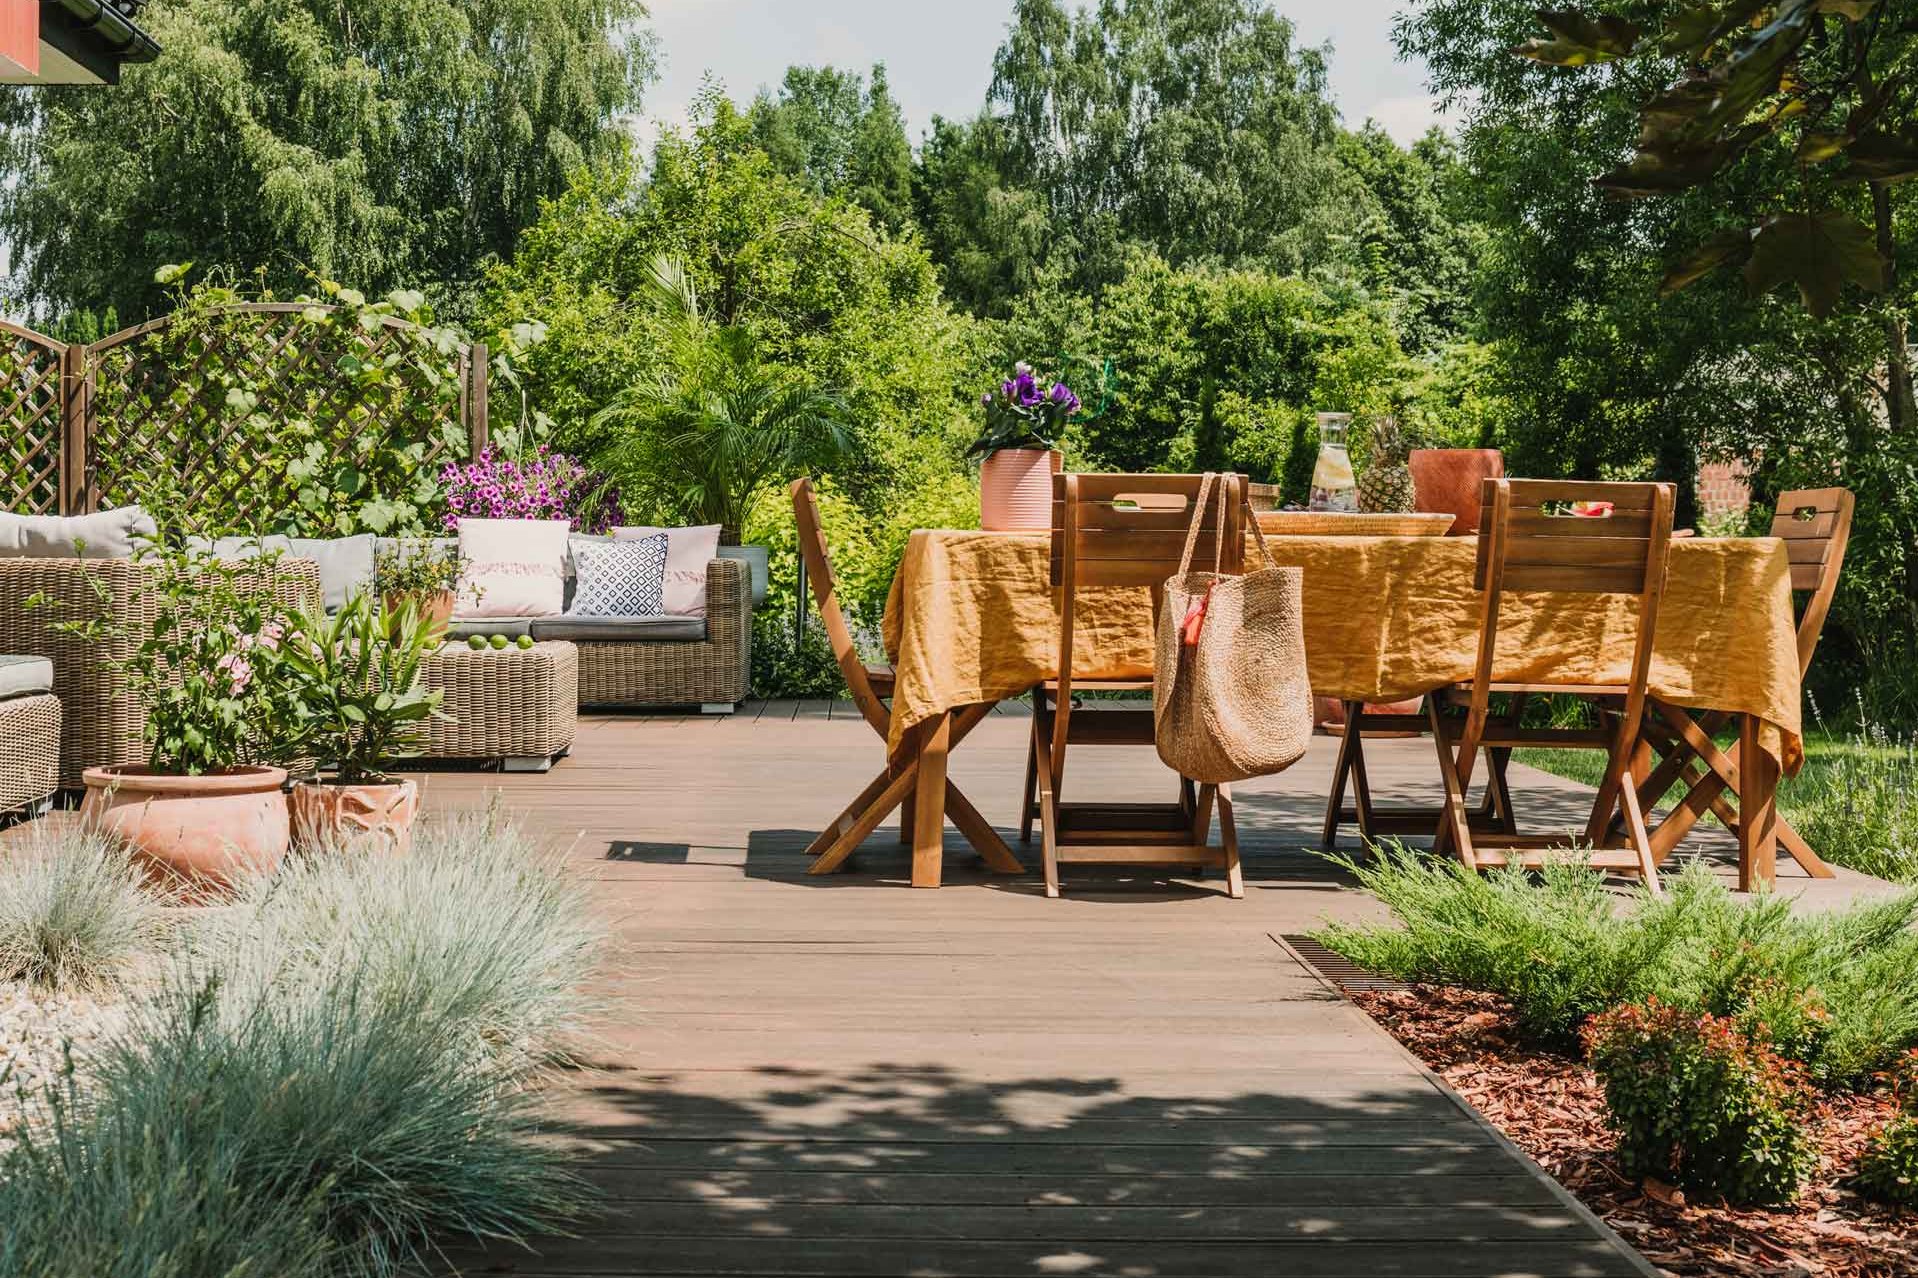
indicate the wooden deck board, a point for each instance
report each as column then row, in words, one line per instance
column 843, row 1076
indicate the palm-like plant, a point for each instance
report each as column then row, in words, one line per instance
column 717, row 424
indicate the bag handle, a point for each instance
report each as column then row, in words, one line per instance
column 1218, row 532
column 1192, row 529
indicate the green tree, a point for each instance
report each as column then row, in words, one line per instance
column 808, row 276
column 840, row 135
column 384, row 141
column 1604, row 376
column 1192, row 128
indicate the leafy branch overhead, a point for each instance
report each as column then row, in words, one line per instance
column 1819, row 84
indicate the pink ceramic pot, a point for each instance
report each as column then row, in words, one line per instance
column 1015, row 489
column 210, row 829
column 373, row 816
column 1452, row 480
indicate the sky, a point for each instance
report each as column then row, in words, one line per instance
column 938, row 55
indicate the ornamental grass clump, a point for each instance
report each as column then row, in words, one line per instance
column 338, row 1131
column 1858, row 802
column 1697, row 1101
column 73, row 914
column 1837, row 990
column 476, row 920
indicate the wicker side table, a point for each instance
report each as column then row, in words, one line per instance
column 29, row 751
column 517, row 705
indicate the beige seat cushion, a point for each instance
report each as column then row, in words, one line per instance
column 25, row 676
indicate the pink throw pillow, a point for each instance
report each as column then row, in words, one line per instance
column 515, row 566
column 688, row 551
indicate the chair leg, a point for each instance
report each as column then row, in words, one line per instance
column 1335, row 804
column 844, row 821
column 1229, row 836
column 1454, row 828
column 891, row 797
column 1640, row 841
column 906, row 808
column 1048, row 815
column 1029, row 797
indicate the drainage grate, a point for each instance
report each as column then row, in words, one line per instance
column 1336, row 968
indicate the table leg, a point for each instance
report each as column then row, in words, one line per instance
column 929, row 802
column 1757, row 809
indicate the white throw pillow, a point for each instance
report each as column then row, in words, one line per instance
column 515, row 566
column 624, row 578
column 688, row 551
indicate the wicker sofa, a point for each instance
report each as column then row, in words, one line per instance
column 102, row 724
column 632, row 662
column 29, row 733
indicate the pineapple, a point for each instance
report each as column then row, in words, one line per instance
column 1386, row 485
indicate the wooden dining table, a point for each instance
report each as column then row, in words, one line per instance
column 972, row 619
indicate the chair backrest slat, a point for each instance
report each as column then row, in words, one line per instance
column 1129, row 530
column 1529, row 540
column 1815, row 525
column 825, row 592
column 1543, row 546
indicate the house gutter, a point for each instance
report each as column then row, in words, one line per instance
column 96, row 28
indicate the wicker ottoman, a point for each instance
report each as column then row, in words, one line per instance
column 29, row 733
column 519, row 706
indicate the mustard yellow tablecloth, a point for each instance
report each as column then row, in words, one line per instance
column 973, row 617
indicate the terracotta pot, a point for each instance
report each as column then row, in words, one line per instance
column 1015, row 489
column 210, row 829
column 1331, row 711
column 435, row 609
column 1451, row 481
column 333, row 815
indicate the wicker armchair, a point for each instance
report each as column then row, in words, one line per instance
column 102, row 724
column 713, row 672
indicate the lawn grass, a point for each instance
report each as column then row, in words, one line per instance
column 1855, row 800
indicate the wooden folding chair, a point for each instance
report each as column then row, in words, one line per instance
column 871, row 687
column 1529, row 541
column 1113, row 531
column 1815, row 525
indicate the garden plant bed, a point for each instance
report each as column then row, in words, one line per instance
column 1552, row 1107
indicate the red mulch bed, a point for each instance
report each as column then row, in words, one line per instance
column 1553, row 1109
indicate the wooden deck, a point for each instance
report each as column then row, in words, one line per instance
column 843, row 1076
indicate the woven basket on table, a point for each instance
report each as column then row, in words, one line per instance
column 102, row 725
column 1332, row 523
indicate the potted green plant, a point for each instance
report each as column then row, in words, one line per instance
column 207, row 666
column 1020, row 449
column 424, row 574
column 360, row 701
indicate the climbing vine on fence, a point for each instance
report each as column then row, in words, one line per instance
column 324, row 415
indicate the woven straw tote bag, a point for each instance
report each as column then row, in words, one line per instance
column 1231, row 696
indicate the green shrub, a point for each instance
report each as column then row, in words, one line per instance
column 1888, row 1170
column 785, row 668
column 72, row 912
column 1695, row 1100
column 333, row 1132
column 1839, row 990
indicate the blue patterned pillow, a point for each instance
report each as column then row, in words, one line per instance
column 620, row 578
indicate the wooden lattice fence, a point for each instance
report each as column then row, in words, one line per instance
column 253, row 416
column 34, row 442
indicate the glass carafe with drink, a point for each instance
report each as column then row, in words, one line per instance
column 1333, row 485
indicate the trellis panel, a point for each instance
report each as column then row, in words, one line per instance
column 201, row 409
column 34, row 421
